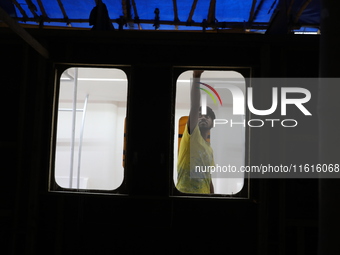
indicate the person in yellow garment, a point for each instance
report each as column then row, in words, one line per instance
column 195, row 153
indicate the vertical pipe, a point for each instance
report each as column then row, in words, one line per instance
column 81, row 139
column 74, row 111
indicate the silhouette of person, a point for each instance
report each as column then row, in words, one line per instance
column 99, row 17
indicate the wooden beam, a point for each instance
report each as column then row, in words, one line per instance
column 61, row 6
column 126, row 5
column 257, row 9
column 12, row 24
column 193, row 7
column 136, row 17
column 42, row 9
column 32, row 8
column 211, row 13
column 222, row 25
column 279, row 20
column 22, row 11
column 252, row 12
column 303, row 7
column 176, row 19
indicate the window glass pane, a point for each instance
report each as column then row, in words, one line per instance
column 226, row 141
column 90, row 128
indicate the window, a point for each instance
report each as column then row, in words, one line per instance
column 228, row 136
column 89, row 131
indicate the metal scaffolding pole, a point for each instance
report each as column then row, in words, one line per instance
column 81, row 139
column 74, row 111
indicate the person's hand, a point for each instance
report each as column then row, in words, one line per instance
column 197, row 73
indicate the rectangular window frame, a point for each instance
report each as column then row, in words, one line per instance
column 58, row 70
column 245, row 193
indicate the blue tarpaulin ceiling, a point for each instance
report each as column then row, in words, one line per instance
column 227, row 15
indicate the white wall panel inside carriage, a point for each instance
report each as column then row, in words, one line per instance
column 101, row 147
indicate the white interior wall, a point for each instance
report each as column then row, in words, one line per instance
column 102, row 149
column 103, row 138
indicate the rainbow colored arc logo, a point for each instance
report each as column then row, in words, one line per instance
column 210, row 94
